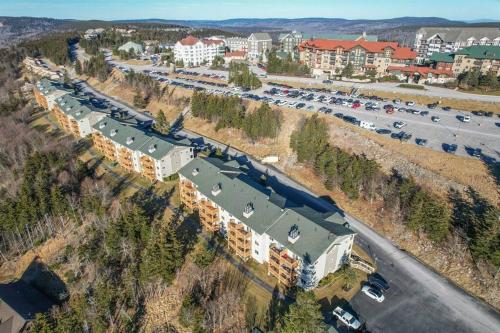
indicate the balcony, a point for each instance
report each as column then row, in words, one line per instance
column 239, row 240
column 209, row 216
column 188, row 195
column 282, row 266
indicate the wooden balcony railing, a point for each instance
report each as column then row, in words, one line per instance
column 239, row 240
column 282, row 266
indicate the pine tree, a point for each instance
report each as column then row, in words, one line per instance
column 304, row 316
column 78, row 67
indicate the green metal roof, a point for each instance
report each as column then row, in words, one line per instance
column 272, row 215
column 136, row 139
column 442, row 57
column 481, row 52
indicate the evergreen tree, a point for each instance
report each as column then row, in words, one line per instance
column 78, row 67
column 304, row 316
column 161, row 124
column 348, row 70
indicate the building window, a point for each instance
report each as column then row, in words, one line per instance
column 256, row 252
column 256, row 243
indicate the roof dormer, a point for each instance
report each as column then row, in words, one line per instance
column 102, row 125
column 152, row 148
column 113, row 132
column 195, row 172
column 130, row 139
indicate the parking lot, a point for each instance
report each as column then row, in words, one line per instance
column 434, row 126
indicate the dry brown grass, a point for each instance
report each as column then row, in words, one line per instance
column 132, row 61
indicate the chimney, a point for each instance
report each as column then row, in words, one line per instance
column 196, row 171
column 216, row 189
column 248, row 211
column 293, row 234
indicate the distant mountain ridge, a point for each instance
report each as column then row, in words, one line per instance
column 401, row 29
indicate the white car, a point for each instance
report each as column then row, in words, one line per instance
column 466, row 119
column 410, row 103
column 292, row 104
column 367, row 125
column 346, row 318
column 373, row 293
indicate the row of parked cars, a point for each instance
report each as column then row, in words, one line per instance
column 191, row 73
column 209, row 83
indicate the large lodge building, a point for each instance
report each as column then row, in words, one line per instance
column 326, row 56
column 300, row 246
column 134, row 149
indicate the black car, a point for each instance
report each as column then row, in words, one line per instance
column 300, row 105
column 432, row 106
column 488, row 114
column 339, row 115
column 446, row 108
column 350, row 119
column 424, row 113
column 383, row 131
column 421, row 142
column 378, row 281
column 450, row 148
column 478, row 113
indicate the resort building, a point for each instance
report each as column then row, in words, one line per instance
column 298, row 245
column 259, row 43
column 136, row 150
column 236, row 44
column 429, row 40
column 330, row 57
column 195, row 52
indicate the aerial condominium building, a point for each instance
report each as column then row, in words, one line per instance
column 430, row 40
column 259, row 43
column 300, row 246
column 47, row 91
column 324, row 56
column 135, row 150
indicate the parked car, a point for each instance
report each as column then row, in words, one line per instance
column 339, row 115
column 465, row 119
column 373, row 292
column 377, row 280
column 399, row 124
column 435, row 119
column 450, row 148
column 410, row 103
column 477, row 152
column 432, row 106
column 346, row 318
column 446, row 108
column 478, row 113
column 421, row 142
column 383, row 131
column 488, row 114
column 367, row 125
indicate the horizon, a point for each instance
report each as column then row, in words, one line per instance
column 207, row 10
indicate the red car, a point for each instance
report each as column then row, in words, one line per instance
column 356, row 105
column 389, row 110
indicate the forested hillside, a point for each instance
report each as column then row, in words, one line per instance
column 471, row 217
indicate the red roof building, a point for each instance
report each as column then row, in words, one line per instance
column 332, row 56
column 421, row 74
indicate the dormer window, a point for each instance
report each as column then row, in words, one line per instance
column 216, row 189
column 113, row 132
column 248, row 211
column 78, row 113
column 102, row 125
column 196, row 171
column 63, row 103
column 293, row 234
column 152, row 148
column 130, row 139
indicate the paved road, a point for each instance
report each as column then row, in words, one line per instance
column 419, row 299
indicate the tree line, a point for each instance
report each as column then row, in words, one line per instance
column 145, row 87
column 96, row 67
column 55, row 47
column 241, row 76
column 229, row 112
column 419, row 209
column 473, row 79
column 286, row 66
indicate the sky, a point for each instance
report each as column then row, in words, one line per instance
column 224, row 9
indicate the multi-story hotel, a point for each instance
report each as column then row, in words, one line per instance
column 259, row 43
column 330, row 57
column 135, row 150
column 237, row 44
column 194, row 52
column 299, row 245
column 429, row 40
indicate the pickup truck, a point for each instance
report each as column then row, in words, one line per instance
column 346, row 318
